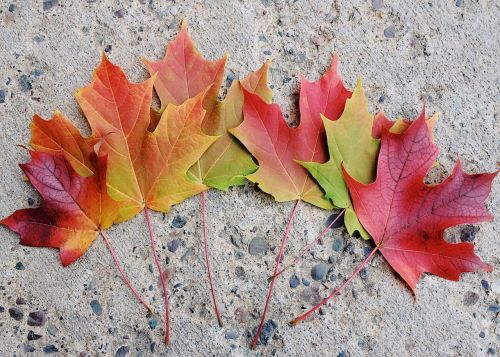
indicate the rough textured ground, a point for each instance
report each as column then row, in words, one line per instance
column 444, row 51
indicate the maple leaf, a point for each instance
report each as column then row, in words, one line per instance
column 176, row 144
column 145, row 169
column 227, row 162
column 350, row 143
column 276, row 146
column 183, row 73
column 74, row 208
column 407, row 217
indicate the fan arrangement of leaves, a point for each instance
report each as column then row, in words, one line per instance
column 339, row 157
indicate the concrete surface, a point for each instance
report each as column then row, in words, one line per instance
column 446, row 51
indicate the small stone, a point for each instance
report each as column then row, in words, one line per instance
column 49, row 4
column 3, row 94
column 322, row 311
column 177, row 286
column 229, row 79
column 338, row 223
column 342, row 354
column 16, row 313
column 33, row 336
column 333, row 277
column 485, row 285
column 306, row 282
column 25, row 83
column 491, row 351
column 52, row 330
column 38, row 39
column 19, row 266
column 108, row 48
column 179, row 222
column 96, row 307
column 257, row 246
column 153, row 323
column 318, row 271
column 468, row 233
column 267, row 331
column 495, row 287
column 367, row 251
column 268, row 53
column 482, row 334
column 240, row 272
column 310, row 295
column 2, row 309
column 12, row 7
column 294, row 281
column 31, row 201
column 173, row 245
column 239, row 254
column 37, row 318
column 50, row 349
column 266, row 3
column 29, row 348
column 377, row 4
column 494, row 308
column 230, row 335
column 301, row 57
column 470, row 298
column 364, row 273
column 350, row 248
column 150, row 268
column 331, row 259
column 174, row 10
column 120, row 13
column 20, row 301
column 338, row 244
column 37, row 73
column 381, row 99
column 458, row 3
column 390, row 32
column 122, row 351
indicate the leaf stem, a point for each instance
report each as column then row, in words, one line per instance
column 122, row 273
column 162, row 279
column 276, row 268
column 308, row 247
column 207, row 259
column 337, row 291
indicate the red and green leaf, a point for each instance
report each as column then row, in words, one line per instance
column 277, row 147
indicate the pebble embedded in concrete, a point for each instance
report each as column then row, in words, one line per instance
column 257, row 246
column 318, row 271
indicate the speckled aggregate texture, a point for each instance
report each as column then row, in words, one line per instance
column 443, row 51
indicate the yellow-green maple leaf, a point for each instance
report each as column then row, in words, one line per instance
column 350, row 143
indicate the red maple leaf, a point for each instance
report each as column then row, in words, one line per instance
column 407, row 217
column 73, row 211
